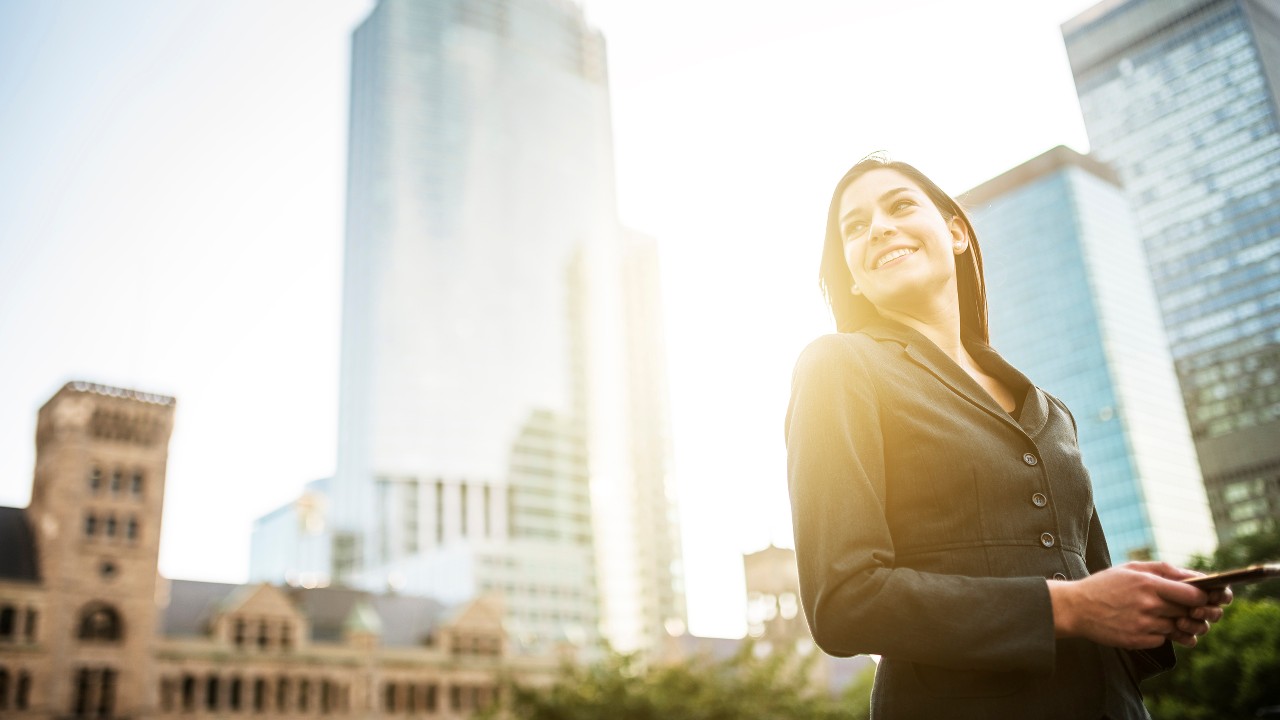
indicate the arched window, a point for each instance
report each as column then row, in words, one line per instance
column 100, row 622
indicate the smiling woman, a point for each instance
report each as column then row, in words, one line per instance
column 943, row 518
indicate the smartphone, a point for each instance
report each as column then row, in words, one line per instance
column 1239, row 576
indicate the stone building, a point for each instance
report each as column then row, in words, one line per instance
column 88, row 629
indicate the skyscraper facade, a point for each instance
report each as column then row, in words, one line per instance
column 1180, row 97
column 1071, row 305
column 502, row 419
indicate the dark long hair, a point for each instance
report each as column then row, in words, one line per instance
column 854, row 311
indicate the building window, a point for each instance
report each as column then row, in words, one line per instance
column 259, row 695
column 241, row 628
column 29, row 627
column 286, row 636
column 95, row 479
column 135, row 484
column 23, row 697
column 304, row 695
column 4, row 689
column 326, row 697
column 235, row 693
column 188, row 692
column 107, row 693
column 462, row 509
column 111, row 526
column 432, row 700
column 131, row 529
column 116, row 478
column 100, row 622
column 389, row 697
column 90, row 524
column 211, row 692
column 282, row 694
column 8, row 615
column 264, row 639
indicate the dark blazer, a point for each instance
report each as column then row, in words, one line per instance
column 927, row 520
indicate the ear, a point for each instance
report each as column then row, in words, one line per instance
column 959, row 236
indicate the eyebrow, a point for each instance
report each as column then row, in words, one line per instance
column 888, row 194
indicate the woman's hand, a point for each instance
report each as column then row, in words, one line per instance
column 1135, row 606
column 1199, row 619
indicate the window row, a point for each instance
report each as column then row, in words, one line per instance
column 265, row 634
column 233, row 693
column 15, row 689
column 117, row 482
column 410, row 698
column 95, row 692
column 106, row 525
column 17, row 624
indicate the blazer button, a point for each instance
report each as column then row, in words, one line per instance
column 1059, row 576
column 1029, row 459
column 1046, row 539
column 1039, row 500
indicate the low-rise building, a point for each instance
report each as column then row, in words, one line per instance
column 88, row 628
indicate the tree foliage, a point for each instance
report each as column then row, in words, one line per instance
column 1234, row 671
column 743, row 687
column 1260, row 547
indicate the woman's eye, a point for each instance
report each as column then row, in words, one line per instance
column 902, row 204
column 855, row 229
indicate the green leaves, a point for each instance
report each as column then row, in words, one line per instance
column 777, row 686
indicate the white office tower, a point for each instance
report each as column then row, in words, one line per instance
column 503, row 418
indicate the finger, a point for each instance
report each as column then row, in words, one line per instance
column 1192, row 627
column 1164, row 570
column 1183, row 639
column 1180, row 592
column 1208, row 613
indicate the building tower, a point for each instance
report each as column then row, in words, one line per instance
column 95, row 513
column 1071, row 305
column 1180, row 97
column 502, row 404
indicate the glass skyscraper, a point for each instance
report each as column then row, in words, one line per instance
column 503, row 417
column 1071, row 306
column 1180, row 97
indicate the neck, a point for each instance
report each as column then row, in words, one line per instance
column 941, row 327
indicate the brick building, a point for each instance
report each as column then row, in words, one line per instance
column 88, row 628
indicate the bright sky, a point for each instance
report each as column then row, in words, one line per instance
column 171, row 200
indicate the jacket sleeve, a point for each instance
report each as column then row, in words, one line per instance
column 1146, row 663
column 855, row 599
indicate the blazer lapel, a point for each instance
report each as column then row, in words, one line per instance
column 924, row 353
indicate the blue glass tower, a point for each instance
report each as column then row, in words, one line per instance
column 1180, row 97
column 1071, row 305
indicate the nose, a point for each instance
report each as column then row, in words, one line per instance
column 881, row 228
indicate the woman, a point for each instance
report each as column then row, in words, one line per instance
column 942, row 516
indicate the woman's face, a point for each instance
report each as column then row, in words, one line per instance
column 899, row 248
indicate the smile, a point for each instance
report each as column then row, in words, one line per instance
column 891, row 256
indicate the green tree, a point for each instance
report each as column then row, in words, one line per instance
column 1263, row 547
column 1235, row 669
column 1231, row 673
column 743, row 687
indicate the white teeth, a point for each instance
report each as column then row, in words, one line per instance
column 893, row 256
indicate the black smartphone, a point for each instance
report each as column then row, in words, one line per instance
column 1239, row 576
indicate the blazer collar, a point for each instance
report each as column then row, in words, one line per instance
column 929, row 356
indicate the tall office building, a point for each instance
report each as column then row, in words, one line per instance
column 1180, row 97
column 502, row 420
column 1071, row 305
